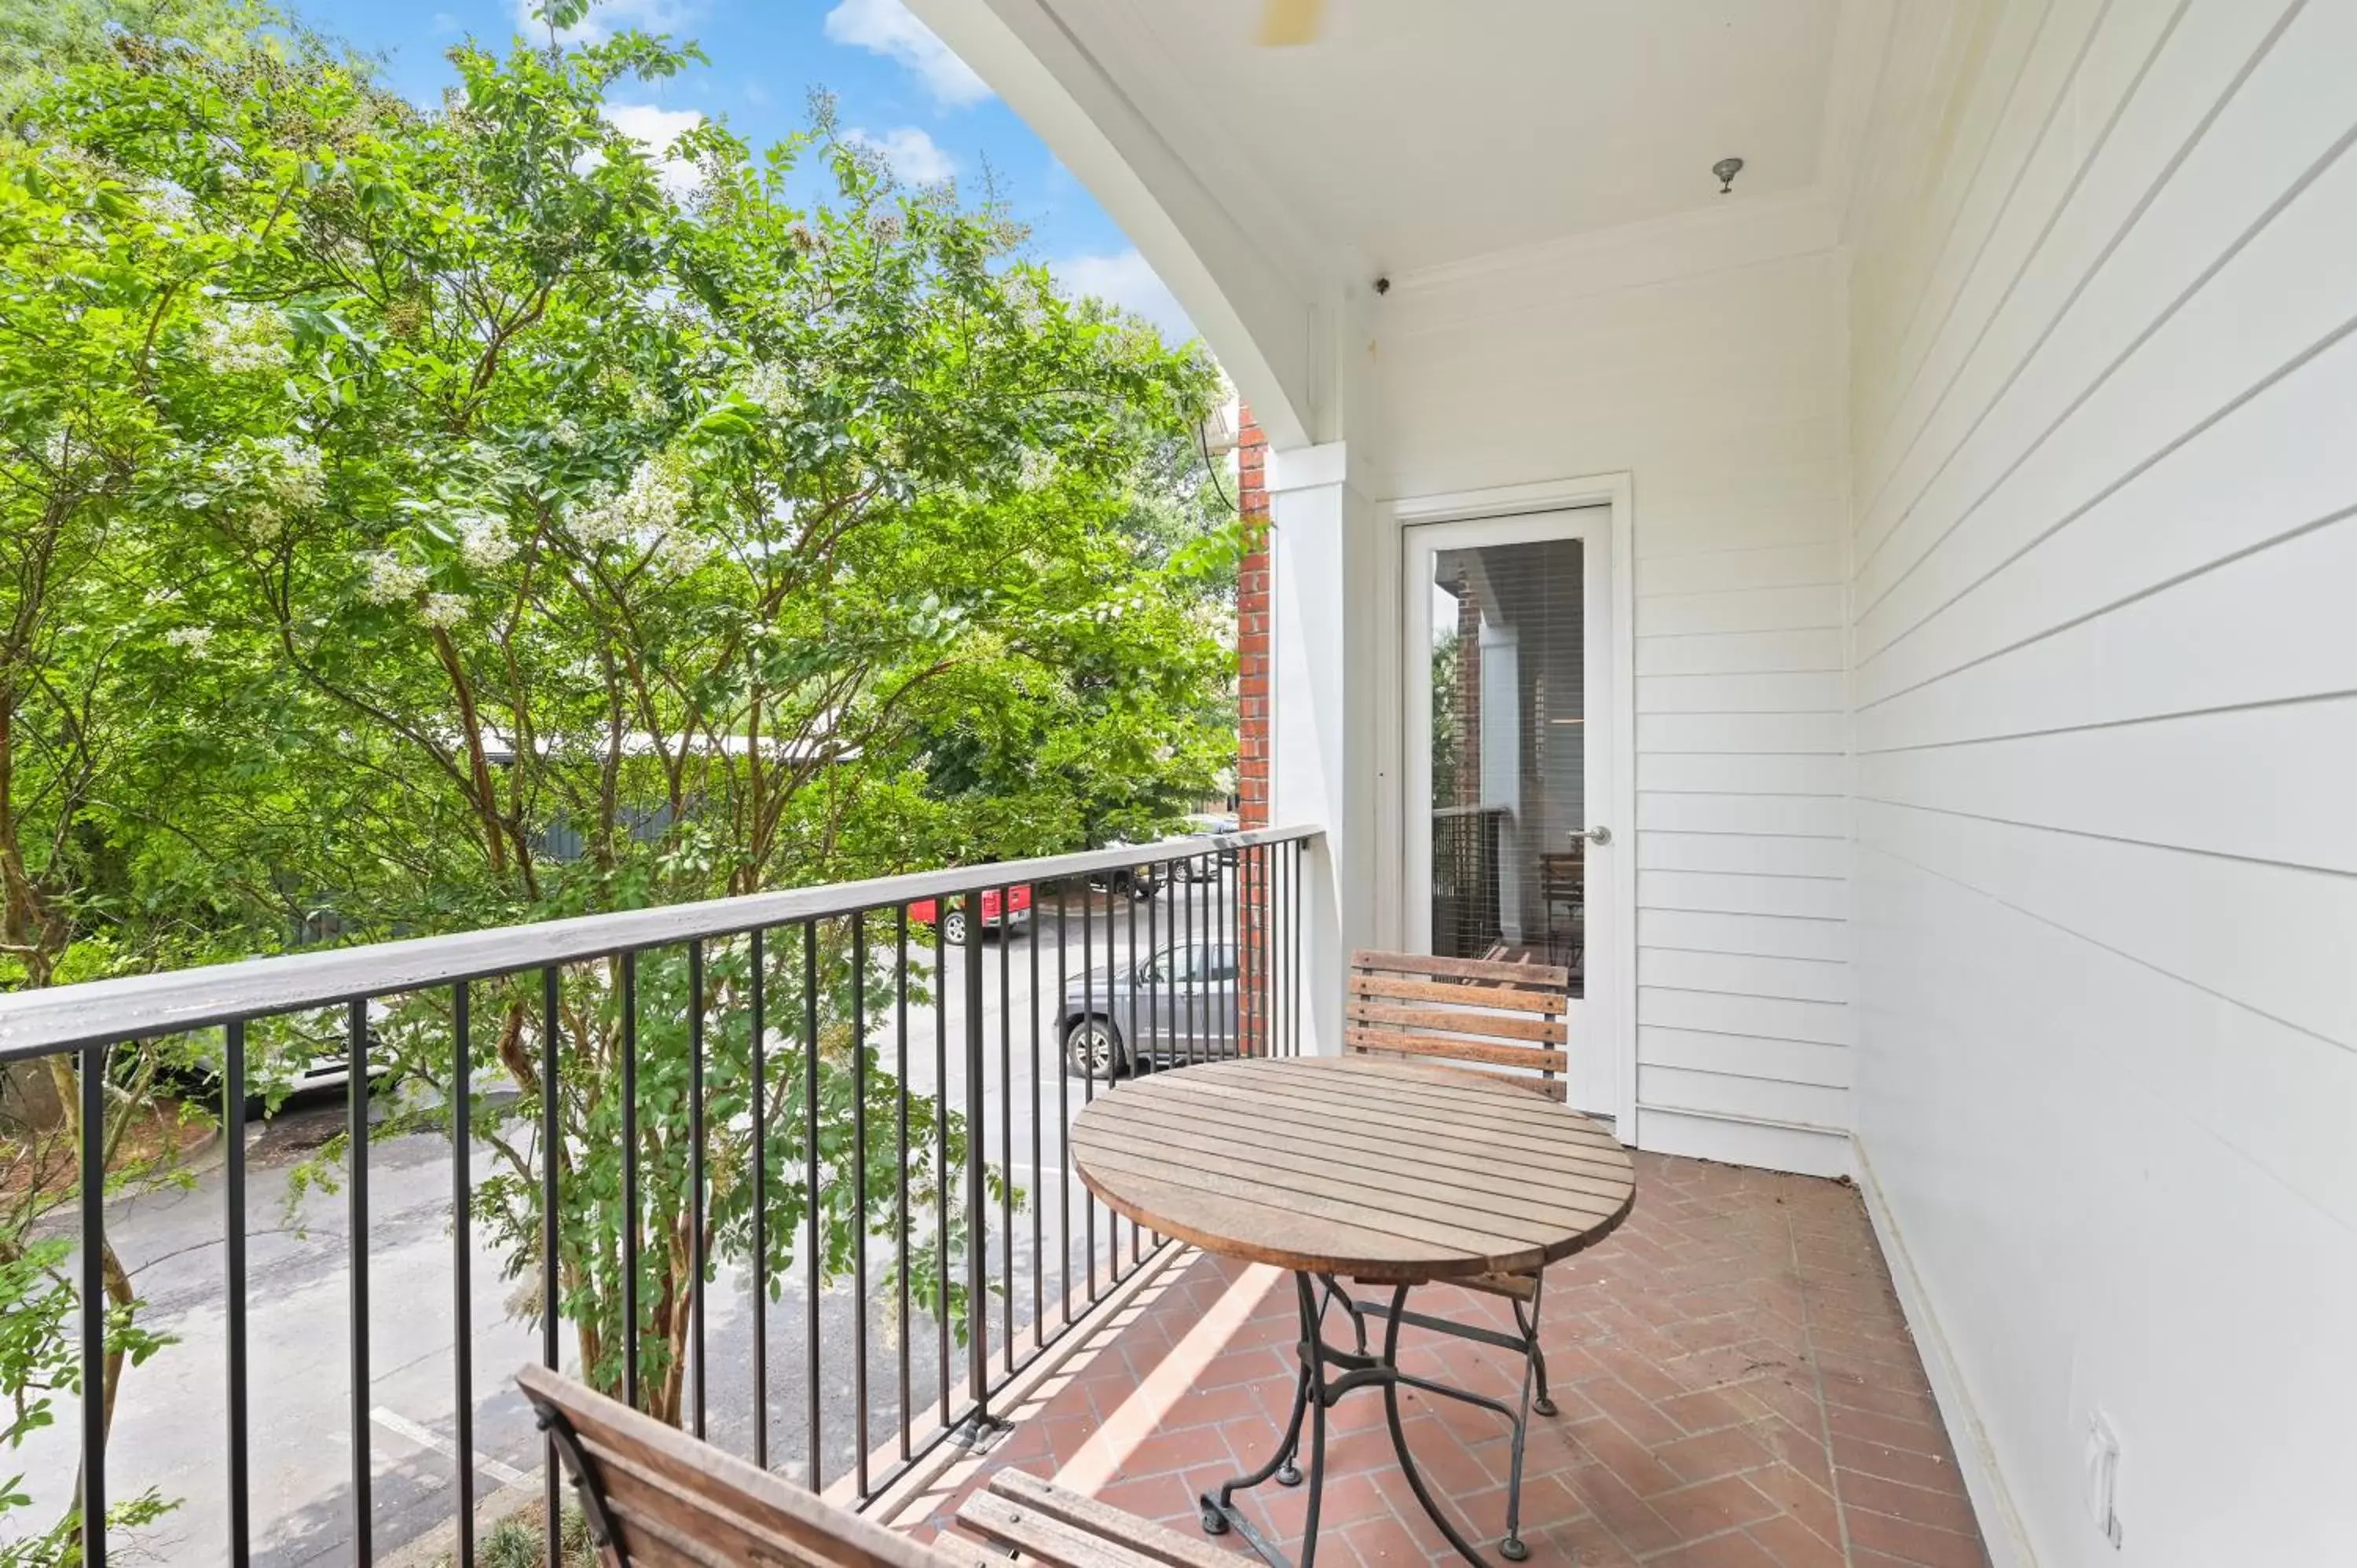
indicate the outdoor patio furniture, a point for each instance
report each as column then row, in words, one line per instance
column 655, row 1496
column 1390, row 1172
column 1045, row 1524
column 1507, row 1022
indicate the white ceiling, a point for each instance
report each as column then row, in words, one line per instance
column 1421, row 133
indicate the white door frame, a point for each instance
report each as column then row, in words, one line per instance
column 1612, row 991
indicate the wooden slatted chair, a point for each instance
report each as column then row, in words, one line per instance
column 1500, row 1021
column 1505, row 1020
column 656, row 1498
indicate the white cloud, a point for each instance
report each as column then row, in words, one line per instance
column 1124, row 279
column 915, row 158
column 886, row 27
column 655, row 128
column 607, row 18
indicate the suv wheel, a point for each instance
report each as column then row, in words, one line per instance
column 953, row 928
column 1092, row 1049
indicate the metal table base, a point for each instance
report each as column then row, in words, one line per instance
column 1327, row 1372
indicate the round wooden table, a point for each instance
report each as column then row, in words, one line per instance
column 1354, row 1167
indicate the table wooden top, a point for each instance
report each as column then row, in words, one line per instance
column 1380, row 1170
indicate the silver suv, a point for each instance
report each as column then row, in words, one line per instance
column 1176, row 1004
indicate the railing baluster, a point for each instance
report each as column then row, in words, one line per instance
column 760, row 1069
column 629, row 965
column 1088, row 1078
column 1136, row 1236
column 1292, row 1006
column 1063, row 1121
column 240, row 1488
column 462, row 1270
column 551, row 1037
column 1144, row 1049
column 1195, row 976
column 977, row 1254
column 1006, row 1128
column 1297, row 864
column 900, row 1228
column 695, row 1198
column 1038, row 1297
column 859, row 1189
column 93, row 1306
column 357, row 1210
column 941, row 1148
column 815, row 1476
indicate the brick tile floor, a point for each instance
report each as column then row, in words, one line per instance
column 1737, row 1388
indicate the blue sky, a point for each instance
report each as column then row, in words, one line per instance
column 898, row 88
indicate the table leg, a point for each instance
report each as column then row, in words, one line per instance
column 1314, row 1392
column 1310, row 1399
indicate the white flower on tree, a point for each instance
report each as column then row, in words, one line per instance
column 681, row 552
column 246, row 338
column 292, row 478
column 443, row 610
column 650, row 505
column 390, row 580
column 484, row 543
column 193, row 639
column 770, row 386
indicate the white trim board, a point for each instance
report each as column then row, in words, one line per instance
column 2001, row 1528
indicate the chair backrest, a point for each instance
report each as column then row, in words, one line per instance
column 1510, row 1020
column 656, row 1498
column 1562, row 875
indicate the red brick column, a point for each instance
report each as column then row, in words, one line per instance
column 1252, row 628
column 1255, row 685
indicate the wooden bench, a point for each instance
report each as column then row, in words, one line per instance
column 655, row 1498
column 1045, row 1524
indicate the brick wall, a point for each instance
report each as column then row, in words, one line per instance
column 1254, row 691
column 1252, row 653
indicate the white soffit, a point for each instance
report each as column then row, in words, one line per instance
column 1413, row 136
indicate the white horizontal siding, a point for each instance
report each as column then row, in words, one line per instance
column 1746, row 1056
column 1741, row 893
column 1743, row 855
column 1818, row 649
column 1720, row 395
column 2104, row 384
column 1718, row 773
column 1747, row 935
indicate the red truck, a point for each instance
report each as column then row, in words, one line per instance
column 999, row 910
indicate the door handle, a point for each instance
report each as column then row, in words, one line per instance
column 1594, row 835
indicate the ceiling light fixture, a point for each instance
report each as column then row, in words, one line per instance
column 1725, row 171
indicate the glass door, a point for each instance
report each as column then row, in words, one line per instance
column 1507, row 725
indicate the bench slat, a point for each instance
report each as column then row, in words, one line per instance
column 1156, row 1544
column 1460, row 1021
column 1505, row 998
column 1458, row 1050
column 1524, row 974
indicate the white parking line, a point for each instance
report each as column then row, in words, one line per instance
column 393, row 1420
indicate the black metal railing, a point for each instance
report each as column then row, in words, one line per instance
column 1465, row 879
column 671, row 1128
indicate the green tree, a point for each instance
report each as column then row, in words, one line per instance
column 578, row 546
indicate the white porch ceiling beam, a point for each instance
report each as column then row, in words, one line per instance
column 1256, row 305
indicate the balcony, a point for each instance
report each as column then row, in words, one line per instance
column 1734, row 1381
